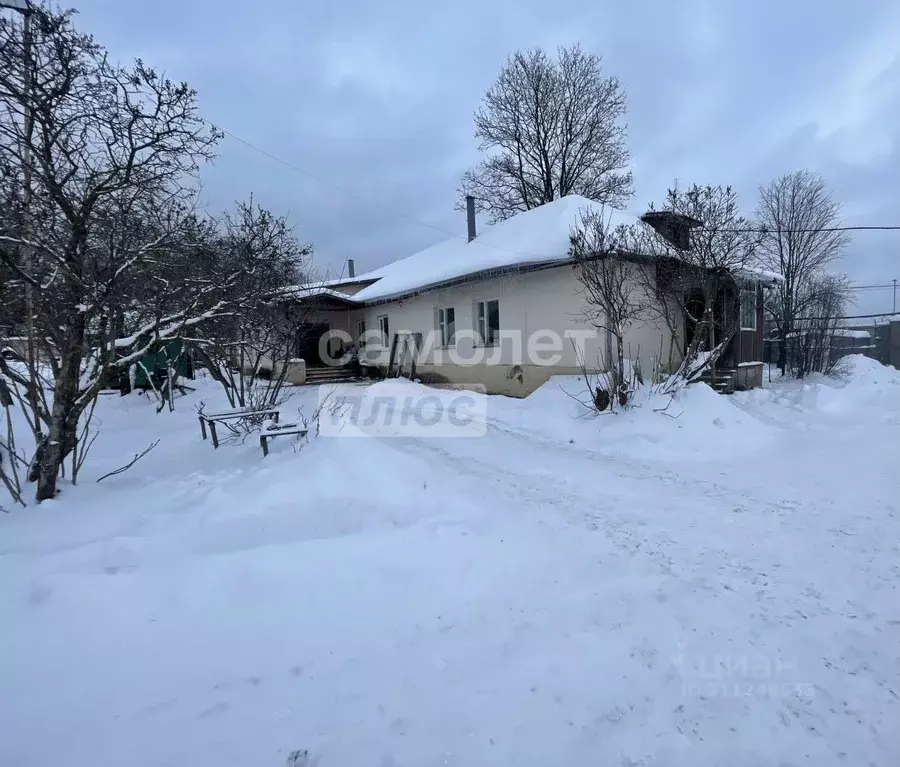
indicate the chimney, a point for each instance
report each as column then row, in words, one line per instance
column 351, row 268
column 470, row 216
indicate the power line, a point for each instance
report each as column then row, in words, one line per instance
column 413, row 219
column 334, row 186
column 857, row 316
column 368, row 201
column 766, row 230
column 890, row 286
column 820, row 230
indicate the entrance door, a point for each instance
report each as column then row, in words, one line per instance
column 308, row 337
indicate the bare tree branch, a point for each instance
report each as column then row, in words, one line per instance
column 132, row 462
column 550, row 127
column 614, row 298
column 799, row 216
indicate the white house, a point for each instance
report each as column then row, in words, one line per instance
column 504, row 310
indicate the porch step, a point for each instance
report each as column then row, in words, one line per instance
column 723, row 382
column 329, row 375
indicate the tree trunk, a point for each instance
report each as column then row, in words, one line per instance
column 709, row 314
column 64, row 411
column 621, row 394
column 782, row 347
column 671, row 358
column 63, row 426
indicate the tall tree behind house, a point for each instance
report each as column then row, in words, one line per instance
column 550, row 127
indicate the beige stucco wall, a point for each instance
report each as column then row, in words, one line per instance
column 530, row 302
column 336, row 319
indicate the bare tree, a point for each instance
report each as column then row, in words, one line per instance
column 614, row 297
column 799, row 216
column 664, row 282
column 809, row 347
column 550, row 127
column 249, row 351
column 702, row 246
column 107, row 159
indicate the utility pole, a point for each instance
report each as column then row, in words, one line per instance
column 25, row 8
column 895, row 295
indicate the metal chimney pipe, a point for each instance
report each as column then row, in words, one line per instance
column 351, row 268
column 470, row 216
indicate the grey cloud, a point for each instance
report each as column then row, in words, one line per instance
column 378, row 98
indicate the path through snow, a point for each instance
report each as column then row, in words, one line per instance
column 720, row 588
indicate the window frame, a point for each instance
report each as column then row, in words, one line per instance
column 384, row 329
column 482, row 319
column 443, row 323
column 360, row 333
column 748, row 293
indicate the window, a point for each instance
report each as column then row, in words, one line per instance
column 385, row 332
column 446, row 322
column 748, row 309
column 361, row 333
column 487, row 321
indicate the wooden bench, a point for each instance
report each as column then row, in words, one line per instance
column 278, row 431
column 230, row 415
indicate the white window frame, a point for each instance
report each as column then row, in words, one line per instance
column 481, row 315
column 360, row 333
column 443, row 323
column 748, row 292
column 384, row 328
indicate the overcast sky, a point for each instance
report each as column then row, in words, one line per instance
column 377, row 97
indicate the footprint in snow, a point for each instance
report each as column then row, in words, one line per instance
column 220, row 707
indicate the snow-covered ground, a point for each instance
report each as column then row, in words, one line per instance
column 715, row 588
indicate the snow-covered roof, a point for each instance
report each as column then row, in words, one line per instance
column 337, row 281
column 534, row 237
column 309, row 291
column 330, row 283
column 764, row 276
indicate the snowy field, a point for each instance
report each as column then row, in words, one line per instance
column 716, row 588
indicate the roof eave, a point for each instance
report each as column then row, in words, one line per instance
column 464, row 279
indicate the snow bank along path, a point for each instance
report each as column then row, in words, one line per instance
column 716, row 588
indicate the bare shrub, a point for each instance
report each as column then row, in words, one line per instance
column 614, row 298
column 606, row 390
column 809, row 348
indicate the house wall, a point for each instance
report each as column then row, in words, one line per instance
column 529, row 302
column 746, row 345
column 336, row 319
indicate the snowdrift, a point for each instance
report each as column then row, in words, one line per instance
column 557, row 591
column 695, row 423
column 860, row 383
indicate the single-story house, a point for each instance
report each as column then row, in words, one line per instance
column 504, row 310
